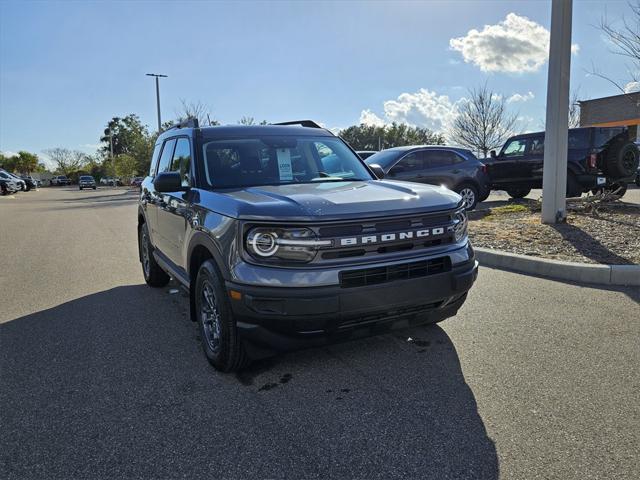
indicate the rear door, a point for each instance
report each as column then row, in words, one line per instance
column 530, row 165
column 440, row 167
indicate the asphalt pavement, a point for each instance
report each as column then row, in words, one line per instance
column 104, row 377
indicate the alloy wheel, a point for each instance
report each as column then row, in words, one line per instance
column 468, row 197
column 210, row 317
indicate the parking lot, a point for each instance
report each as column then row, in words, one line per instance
column 103, row 376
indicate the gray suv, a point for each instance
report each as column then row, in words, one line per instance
column 284, row 238
column 455, row 168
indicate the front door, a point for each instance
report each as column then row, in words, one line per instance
column 174, row 206
column 505, row 169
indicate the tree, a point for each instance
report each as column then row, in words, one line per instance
column 126, row 166
column 197, row 110
column 370, row 137
column 625, row 39
column 26, row 162
column 574, row 110
column 8, row 163
column 247, row 121
column 483, row 123
column 130, row 137
column 68, row 162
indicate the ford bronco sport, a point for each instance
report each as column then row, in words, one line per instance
column 598, row 158
column 284, row 238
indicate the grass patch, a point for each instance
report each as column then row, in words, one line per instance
column 496, row 212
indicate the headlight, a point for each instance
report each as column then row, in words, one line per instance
column 460, row 228
column 287, row 244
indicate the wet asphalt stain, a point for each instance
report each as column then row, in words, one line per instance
column 270, row 386
column 248, row 376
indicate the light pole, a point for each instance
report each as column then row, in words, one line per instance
column 113, row 159
column 157, row 76
column 554, row 173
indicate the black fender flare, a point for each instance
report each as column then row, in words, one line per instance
column 201, row 239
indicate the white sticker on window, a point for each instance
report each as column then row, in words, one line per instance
column 284, row 164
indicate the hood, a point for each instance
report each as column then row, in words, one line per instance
column 330, row 200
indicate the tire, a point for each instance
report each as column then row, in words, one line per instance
column 621, row 160
column 520, row 192
column 638, row 180
column 574, row 189
column 153, row 274
column 482, row 197
column 94, row 188
column 620, row 187
column 80, row 188
column 220, row 339
column 469, row 194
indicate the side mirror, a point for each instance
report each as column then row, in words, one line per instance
column 377, row 169
column 168, row 182
column 493, row 154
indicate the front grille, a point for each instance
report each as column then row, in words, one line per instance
column 387, row 235
column 403, row 271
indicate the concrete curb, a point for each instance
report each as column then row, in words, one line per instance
column 627, row 275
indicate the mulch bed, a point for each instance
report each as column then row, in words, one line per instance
column 606, row 234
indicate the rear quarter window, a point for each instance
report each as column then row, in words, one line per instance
column 602, row 136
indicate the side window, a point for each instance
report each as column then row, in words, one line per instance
column 154, row 159
column 537, row 146
column 440, row 158
column 182, row 160
column 410, row 163
column 515, row 148
column 164, row 164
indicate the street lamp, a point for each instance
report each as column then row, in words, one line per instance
column 157, row 76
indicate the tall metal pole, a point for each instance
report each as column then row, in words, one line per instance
column 113, row 159
column 554, row 175
column 157, row 75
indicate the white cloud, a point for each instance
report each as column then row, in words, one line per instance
column 9, row 154
column 369, row 118
column 632, row 87
column 423, row 108
column 515, row 45
column 518, row 97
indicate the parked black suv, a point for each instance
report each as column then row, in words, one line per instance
column 598, row 157
column 285, row 238
column 453, row 167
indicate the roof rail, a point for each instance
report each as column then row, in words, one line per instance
column 302, row 123
column 187, row 123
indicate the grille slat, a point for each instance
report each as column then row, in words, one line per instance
column 404, row 271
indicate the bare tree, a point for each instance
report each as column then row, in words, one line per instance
column 247, row 121
column 67, row 161
column 483, row 122
column 197, row 110
column 625, row 40
column 574, row 109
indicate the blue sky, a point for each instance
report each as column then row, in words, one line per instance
column 66, row 68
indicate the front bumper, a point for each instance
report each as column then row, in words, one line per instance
column 284, row 318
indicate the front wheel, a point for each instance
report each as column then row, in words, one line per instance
column 153, row 274
column 220, row 339
column 469, row 195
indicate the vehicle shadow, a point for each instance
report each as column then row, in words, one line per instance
column 114, row 384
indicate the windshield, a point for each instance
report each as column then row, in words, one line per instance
column 85, row 178
column 279, row 160
column 385, row 158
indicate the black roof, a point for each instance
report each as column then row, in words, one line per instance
column 230, row 131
